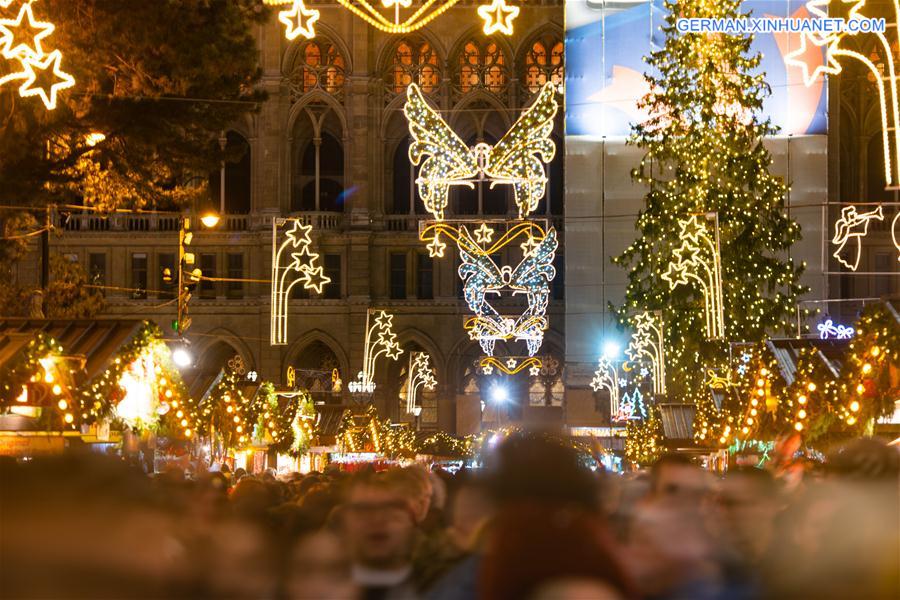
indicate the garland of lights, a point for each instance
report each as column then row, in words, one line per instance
column 297, row 265
column 21, row 44
column 698, row 259
column 517, row 159
column 35, row 379
column 512, row 365
column 644, row 441
column 380, row 339
column 419, row 374
column 227, row 412
column 298, row 20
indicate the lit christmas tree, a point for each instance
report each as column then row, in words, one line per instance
column 704, row 155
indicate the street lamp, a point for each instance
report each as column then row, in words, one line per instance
column 209, row 219
column 500, row 395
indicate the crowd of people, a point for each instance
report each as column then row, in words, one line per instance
column 533, row 522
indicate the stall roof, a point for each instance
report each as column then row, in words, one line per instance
column 787, row 352
column 97, row 340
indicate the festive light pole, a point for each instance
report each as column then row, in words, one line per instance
column 606, row 377
column 419, row 374
column 302, row 267
column 647, row 342
column 698, row 259
column 380, row 339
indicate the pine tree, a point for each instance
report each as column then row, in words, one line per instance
column 159, row 80
column 704, row 153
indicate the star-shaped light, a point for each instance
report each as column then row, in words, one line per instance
column 21, row 37
column 529, row 245
column 299, row 20
column 498, row 16
column 644, row 371
column 800, row 56
column 484, row 234
column 43, row 81
column 678, row 270
column 384, row 320
column 298, row 235
column 534, row 371
column 511, row 363
column 314, row 278
column 394, row 351
column 487, row 369
column 436, row 248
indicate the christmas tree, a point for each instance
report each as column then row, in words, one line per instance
column 704, row 158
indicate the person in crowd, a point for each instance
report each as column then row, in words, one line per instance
column 378, row 526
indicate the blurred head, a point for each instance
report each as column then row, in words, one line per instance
column 537, row 466
column 318, row 569
column 470, row 507
column 415, row 485
column 535, row 544
column 378, row 523
column 674, row 477
column 865, row 459
column 748, row 503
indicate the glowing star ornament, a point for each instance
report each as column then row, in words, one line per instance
column 292, row 262
column 484, row 234
column 698, row 260
column 21, row 37
column 647, row 344
column 848, row 233
column 606, row 377
column 45, row 79
column 517, row 159
column 299, row 20
column 498, row 16
column 380, row 340
column 420, row 374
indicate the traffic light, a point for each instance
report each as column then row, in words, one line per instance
column 188, row 277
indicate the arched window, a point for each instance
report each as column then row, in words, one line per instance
column 402, row 192
column 319, row 179
column 544, row 61
column 319, row 65
column 414, row 61
column 237, row 176
column 482, row 66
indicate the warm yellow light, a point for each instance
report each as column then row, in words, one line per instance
column 57, row 389
column 62, row 404
column 48, row 377
column 860, row 388
column 92, row 139
column 229, row 409
column 179, row 414
column 184, row 422
column 237, row 419
column 760, row 392
column 764, row 371
column 745, row 430
column 801, row 413
column 798, row 426
column 299, row 20
column 753, row 412
column 23, row 396
column 875, row 351
column 749, row 420
column 187, row 433
column 168, row 394
column 866, row 368
column 761, row 382
column 802, row 399
column 498, row 16
column 811, row 387
column 851, row 420
column 209, row 220
column 854, row 406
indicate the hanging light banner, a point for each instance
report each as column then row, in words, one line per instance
column 606, row 43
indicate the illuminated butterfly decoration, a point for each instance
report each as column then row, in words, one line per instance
column 517, row 159
column 482, row 278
